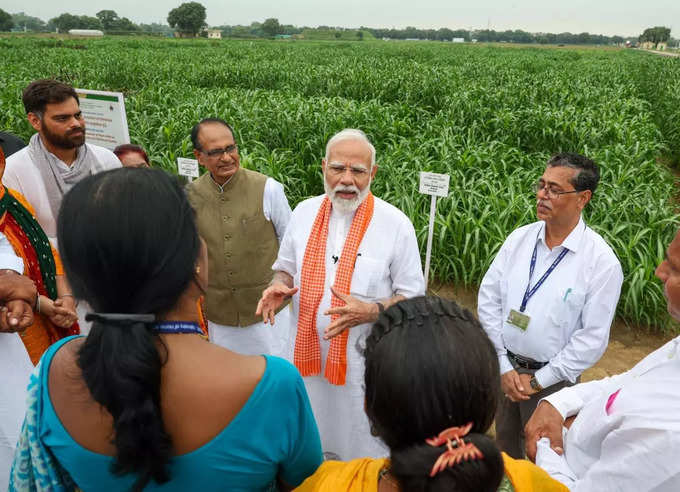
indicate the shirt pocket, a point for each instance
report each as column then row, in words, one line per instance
column 567, row 307
column 369, row 275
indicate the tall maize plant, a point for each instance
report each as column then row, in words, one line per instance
column 488, row 116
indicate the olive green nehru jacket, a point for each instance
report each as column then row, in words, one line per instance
column 242, row 244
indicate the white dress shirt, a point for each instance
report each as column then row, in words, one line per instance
column 622, row 442
column 8, row 259
column 23, row 175
column 570, row 313
column 388, row 264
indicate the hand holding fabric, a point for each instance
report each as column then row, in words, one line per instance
column 545, row 422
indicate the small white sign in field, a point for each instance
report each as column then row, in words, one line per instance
column 105, row 118
column 435, row 185
column 187, row 167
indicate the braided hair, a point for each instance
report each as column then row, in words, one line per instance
column 431, row 366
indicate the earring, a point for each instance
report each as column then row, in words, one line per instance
column 198, row 269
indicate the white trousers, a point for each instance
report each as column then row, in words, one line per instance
column 255, row 339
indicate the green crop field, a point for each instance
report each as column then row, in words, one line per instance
column 488, row 116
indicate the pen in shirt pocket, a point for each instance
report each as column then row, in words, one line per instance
column 566, row 294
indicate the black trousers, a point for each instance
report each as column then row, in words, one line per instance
column 511, row 417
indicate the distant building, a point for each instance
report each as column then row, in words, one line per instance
column 95, row 33
column 283, row 36
column 458, row 40
column 650, row 45
column 214, row 34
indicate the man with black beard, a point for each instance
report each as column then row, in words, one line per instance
column 57, row 157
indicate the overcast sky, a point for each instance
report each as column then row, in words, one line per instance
column 624, row 17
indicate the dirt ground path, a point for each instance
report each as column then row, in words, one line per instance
column 626, row 348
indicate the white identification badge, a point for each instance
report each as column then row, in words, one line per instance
column 519, row 320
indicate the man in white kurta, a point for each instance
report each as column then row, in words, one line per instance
column 15, row 370
column 569, row 301
column 242, row 217
column 387, row 269
column 55, row 159
column 626, row 434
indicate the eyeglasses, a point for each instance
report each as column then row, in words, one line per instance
column 551, row 192
column 338, row 168
column 214, row 153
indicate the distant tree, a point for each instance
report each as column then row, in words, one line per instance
column 126, row 25
column 88, row 22
column 188, row 18
column 271, row 27
column 109, row 19
column 360, row 35
column 337, row 34
column 6, row 22
column 65, row 21
column 29, row 23
column 656, row 35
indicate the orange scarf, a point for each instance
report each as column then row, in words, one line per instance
column 307, row 355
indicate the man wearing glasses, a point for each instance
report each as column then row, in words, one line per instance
column 242, row 215
column 346, row 256
column 549, row 297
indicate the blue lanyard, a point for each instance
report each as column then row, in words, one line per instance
column 531, row 291
column 173, row 327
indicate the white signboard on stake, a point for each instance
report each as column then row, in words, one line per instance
column 187, row 167
column 435, row 185
column 105, row 118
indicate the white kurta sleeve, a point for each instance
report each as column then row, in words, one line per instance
column 554, row 464
column 490, row 307
column 406, row 271
column 569, row 401
column 634, row 457
column 8, row 259
column 286, row 259
column 587, row 344
column 275, row 207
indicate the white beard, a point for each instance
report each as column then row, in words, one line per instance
column 343, row 205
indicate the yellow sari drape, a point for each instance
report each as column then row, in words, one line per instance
column 360, row 475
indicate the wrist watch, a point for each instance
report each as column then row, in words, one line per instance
column 535, row 384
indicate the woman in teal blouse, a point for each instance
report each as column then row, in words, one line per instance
column 144, row 402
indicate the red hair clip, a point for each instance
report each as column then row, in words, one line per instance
column 457, row 450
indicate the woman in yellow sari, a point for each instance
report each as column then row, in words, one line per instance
column 56, row 315
column 432, row 386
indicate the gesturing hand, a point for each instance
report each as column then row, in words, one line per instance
column 512, row 386
column 353, row 313
column 272, row 298
column 545, row 422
